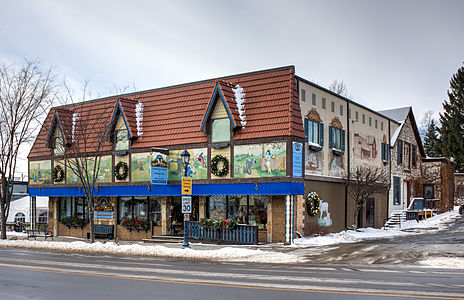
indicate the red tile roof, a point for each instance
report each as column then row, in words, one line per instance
column 173, row 115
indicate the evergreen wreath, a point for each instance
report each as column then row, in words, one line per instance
column 117, row 170
column 313, row 204
column 225, row 165
column 58, row 174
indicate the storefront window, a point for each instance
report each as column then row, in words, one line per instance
column 217, row 207
column 132, row 207
column 258, row 211
column 250, row 210
column 237, row 208
column 73, row 207
column 155, row 210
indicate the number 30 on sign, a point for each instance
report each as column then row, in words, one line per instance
column 186, row 204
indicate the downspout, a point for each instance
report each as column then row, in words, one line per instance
column 390, row 168
column 348, row 165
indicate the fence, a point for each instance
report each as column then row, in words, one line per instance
column 240, row 234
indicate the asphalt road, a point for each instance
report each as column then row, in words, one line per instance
column 29, row 274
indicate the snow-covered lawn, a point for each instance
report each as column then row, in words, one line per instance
column 407, row 228
column 221, row 254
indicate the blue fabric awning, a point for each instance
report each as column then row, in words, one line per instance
column 273, row 188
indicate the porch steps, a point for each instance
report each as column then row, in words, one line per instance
column 395, row 219
column 164, row 239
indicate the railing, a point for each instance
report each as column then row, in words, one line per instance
column 421, row 203
column 240, row 234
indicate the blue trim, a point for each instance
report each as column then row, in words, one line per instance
column 210, row 106
column 273, row 188
column 118, row 104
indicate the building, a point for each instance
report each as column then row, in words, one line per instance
column 259, row 143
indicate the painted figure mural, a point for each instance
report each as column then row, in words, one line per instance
column 40, row 172
column 364, row 148
column 313, row 161
column 197, row 168
column 336, row 165
column 260, row 160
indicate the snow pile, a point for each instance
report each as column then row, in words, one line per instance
column 222, row 254
column 350, row 236
column 444, row 262
column 139, row 117
column 75, row 118
column 239, row 93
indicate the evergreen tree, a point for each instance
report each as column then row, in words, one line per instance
column 451, row 143
column 430, row 139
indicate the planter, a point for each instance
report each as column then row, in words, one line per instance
column 137, row 228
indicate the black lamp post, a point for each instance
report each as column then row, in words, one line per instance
column 185, row 160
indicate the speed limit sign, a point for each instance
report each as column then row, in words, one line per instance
column 186, row 204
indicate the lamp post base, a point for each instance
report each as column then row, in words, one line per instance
column 185, row 243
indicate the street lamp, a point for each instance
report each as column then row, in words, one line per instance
column 185, row 160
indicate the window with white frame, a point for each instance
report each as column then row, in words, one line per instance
column 336, row 138
column 314, row 132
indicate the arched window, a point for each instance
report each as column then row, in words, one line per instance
column 43, row 218
column 20, row 217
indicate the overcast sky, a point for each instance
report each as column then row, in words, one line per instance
column 389, row 53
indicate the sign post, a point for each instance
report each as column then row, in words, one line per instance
column 186, row 206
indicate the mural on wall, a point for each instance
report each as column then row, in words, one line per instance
column 104, row 172
column 260, row 160
column 336, row 165
column 313, row 161
column 364, row 148
column 197, row 168
column 324, row 219
column 70, row 176
column 141, row 165
column 40, row 172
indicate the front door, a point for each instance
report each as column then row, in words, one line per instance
column 408, row 193
column 370, row 212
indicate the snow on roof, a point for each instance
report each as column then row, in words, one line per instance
column 398, row 114
column 240, row 100
column 396, row 135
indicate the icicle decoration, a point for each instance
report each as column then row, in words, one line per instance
column 239, row 93
column 139, row 117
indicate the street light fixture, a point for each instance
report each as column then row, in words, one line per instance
column 185, row 160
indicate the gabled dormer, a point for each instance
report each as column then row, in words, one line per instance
column 59, row 132
column 225, row 113
column 125, row 124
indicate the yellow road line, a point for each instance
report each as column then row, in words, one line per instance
column 362, row 293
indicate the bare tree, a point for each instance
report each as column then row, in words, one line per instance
column 26, row 94
column 339, row 87
column 363, row 182
column 425, row 123
column 88, row 137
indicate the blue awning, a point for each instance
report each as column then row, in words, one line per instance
column 272, row 188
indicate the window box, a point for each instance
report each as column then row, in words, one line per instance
column 314, row 146
column 137, row 228
column 337, row 152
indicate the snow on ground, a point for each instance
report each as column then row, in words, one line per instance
column 222, row 254
column 407, row 228
column 444, row 262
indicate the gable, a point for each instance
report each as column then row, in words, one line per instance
column 219, row 111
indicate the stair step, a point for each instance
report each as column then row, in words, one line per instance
column 164, row 239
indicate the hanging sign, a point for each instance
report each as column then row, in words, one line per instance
column 297, row 159
column 159, row 171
